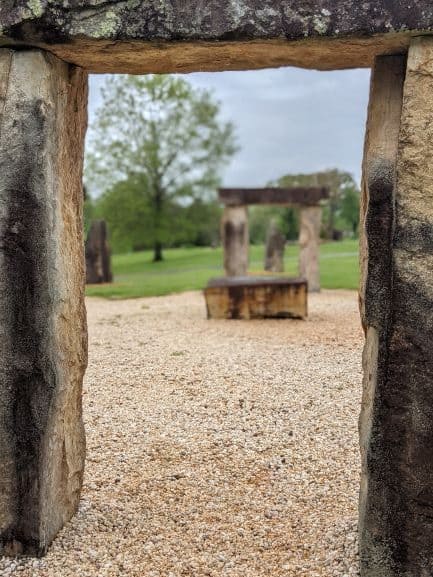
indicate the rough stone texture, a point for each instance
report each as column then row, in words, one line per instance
column 256, row 298
column 396, row 425
column 275, row 243
column 42, row 315
column 173, row 36
column 280, row 196
column 309, row 240
column 98, row 254
column 235, row 237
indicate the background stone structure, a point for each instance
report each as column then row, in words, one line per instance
column 98, row 254
column 234, row 228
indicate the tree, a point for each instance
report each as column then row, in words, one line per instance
column 338, row 182
column 350, row 209
column 162, row 139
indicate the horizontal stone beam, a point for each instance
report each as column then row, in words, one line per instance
column 281, row 196
column 256, row 298
column 173, row 36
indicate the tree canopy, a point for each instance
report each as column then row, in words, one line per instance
column 157, row 148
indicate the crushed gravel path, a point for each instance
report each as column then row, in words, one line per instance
column 215, row 448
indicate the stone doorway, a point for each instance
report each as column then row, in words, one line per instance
column 43, row 96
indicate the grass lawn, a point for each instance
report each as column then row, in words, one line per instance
column 190, row 269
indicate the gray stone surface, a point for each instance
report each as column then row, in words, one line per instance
column 235, row 238
column 98, row 254
column 273, row 195
column 42, row 316
column 310, row 221
column 131, row 35
column 396, row 424
column 274, row 254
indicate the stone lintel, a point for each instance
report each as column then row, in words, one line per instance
column 280, row 196
column 173, row 36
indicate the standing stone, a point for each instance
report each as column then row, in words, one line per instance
column 309, row 243
column 98, row 254
column 43, row 340
column 396, row 424
column 275, row 243
column 235, row 235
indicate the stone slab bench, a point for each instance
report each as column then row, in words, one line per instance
column 260, row 297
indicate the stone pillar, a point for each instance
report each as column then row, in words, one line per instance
column 98, row 254
column 275, row 243
column 309, row 242
column 396, row 423
column 235, row 236
column 42, row 315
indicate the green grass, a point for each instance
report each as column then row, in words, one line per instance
column 190, row 269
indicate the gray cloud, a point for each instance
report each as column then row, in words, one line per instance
column 287, row 120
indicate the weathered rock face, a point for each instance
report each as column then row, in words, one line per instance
column 273, row 195
column 42, row 315
column 275, row 243
column 309, row 241
column 235, row 238
column 256, row 298
column 98, row 254
column 396, row 425
column 169, row 35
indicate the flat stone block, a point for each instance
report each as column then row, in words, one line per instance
column 256, row 298
column 279, row 196
column 136, row 37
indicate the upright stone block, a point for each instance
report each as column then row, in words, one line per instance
column 309, row 243
column 396, row 424
column 235, row 236
column 98, row 254
column 275, row 243
column 42, row 315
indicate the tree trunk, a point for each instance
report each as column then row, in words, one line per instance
column 157, row 252
column 157, row 245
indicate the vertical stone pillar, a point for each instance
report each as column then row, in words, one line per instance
column 309, row 243
column 98, row 254
column 42, row 315
column 235, row 236
column 396, row 423
column 275, row 244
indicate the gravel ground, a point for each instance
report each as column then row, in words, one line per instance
column 216, row 448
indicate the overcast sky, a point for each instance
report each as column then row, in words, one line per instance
column 287, row 120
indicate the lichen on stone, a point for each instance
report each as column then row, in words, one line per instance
column 100, row 25
column 321, row 23
column 36, row 8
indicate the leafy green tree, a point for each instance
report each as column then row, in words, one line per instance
column 88, row 211
column 338, row 182
column 163, row 143
column 201, row 223
column 350, row 209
